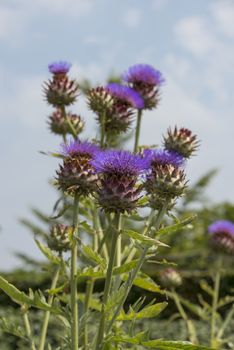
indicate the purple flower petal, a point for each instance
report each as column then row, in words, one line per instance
column 143, row 73
column 59, row 67
column 78, row 147
column 119, row 162
column 221, row 226
column 126, row 94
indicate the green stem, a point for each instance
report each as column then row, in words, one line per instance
column 215, row 303
column 148, row 223
column 71, row 127
column 73, row 278
column 47, row 314
column 88, row 295
column 119, row 244
column 103, row 124
column 134, row 273
column 102, row 238
column 138, row 127
column 107, row 287
column 226, row 322
column 189, row 324
column 28, row 329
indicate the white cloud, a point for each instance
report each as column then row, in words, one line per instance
column 194, row 34
column 223, row 12
column 132, row 18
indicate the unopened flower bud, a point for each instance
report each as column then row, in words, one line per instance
column 59, row 239
column 170, row 278
column 60, row 125
column 181, row 141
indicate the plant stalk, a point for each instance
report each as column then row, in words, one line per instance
column 103, row 123
column 189, row 324
column 47, row 314
column 134, row 273
column 107, row 287
column 89, row 292
column 28, row 329
column 73, row 279
column 73, row 131
column 215, row 304
column 146, row 228
column 138, row 128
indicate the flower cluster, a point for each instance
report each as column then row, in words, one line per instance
column 60, row 92
column 222, row 236
column 116, row 104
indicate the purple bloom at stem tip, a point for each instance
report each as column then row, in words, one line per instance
column 59, row 67
column 126, row 94
column 143, row 73
column 120, row 163
column 78, row 147
column 221, row 226
column 164, row 157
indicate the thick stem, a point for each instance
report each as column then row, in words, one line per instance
column 134, row 273
column 107, row 287
column 138, row 128
column 73, row 279
column 28, row 329
column 215, row 304
column 47, row 314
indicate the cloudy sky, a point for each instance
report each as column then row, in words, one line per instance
column 191, row 42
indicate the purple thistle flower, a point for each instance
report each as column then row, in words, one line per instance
column 126, row 95
column 222, row 236
column 222, row 226
column 146, row 81
column 119, row 163
column 59, row 67
column 163, row 157
column 119, row 171
column 143, row 73
column 77, row 147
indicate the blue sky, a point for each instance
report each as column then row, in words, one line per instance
column 191, row 42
